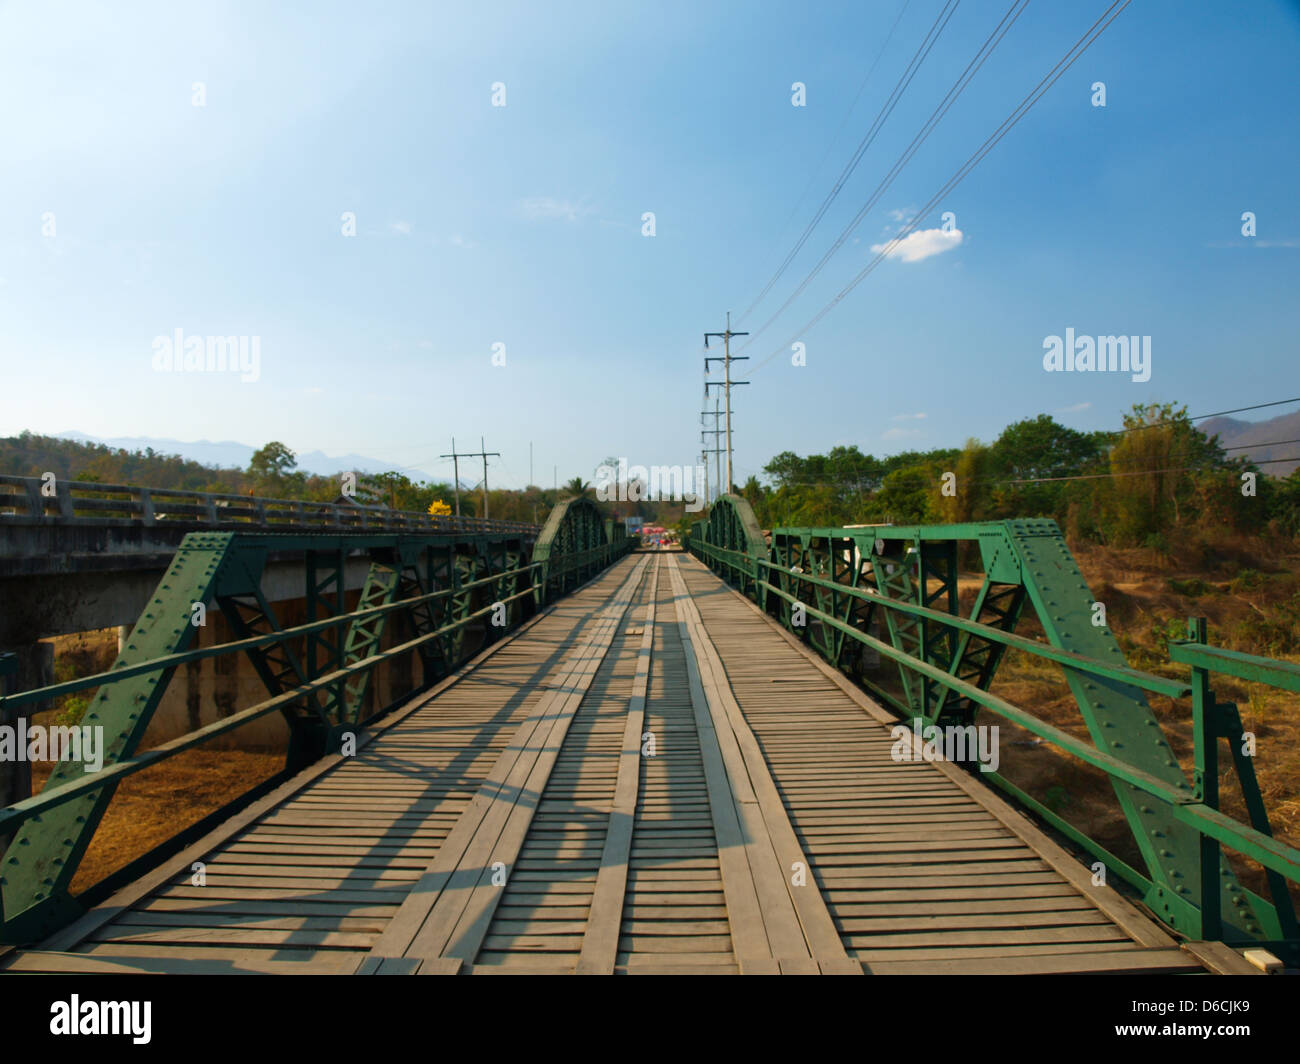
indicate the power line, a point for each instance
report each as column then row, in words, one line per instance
column 860, row 470
column 456, row 456
column 1132, row 473
column 1049, row 79
column 843, row 122
column 904, row 80
column 1249, row 446
column 1081, row 476
column 1202, row 417
column 986, row 49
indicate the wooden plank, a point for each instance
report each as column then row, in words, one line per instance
column 601, row 938
column 180, row 864
column 1219, row 958
column 477, row 904
column 251, row 963
column 455, row 869
column 1141, row 928
column 750, row 941
column 817, row 935
column 1122, row 962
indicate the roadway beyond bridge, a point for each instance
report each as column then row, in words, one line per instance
column 649, row 776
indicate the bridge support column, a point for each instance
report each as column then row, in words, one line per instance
column 212, row 689
column 21, row 669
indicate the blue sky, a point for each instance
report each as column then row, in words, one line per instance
column 522, row 224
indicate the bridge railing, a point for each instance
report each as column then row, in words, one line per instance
column 321, row 691
column 794, row 593
column 32, row 499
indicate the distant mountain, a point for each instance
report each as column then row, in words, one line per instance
column 1260, row 441
column 228, row 454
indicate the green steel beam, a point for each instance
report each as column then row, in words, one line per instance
column 37, row 868
column 315, row 673
column 1025, row 562
column 363, row 639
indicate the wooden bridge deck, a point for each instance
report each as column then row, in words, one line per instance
column 649, row 777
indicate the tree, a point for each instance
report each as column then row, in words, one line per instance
column 973, row 498
column 272, row 469
column 1040, row 448
column 905, row 495
column 1152, row 479
column 786, row 469
column 577, row 487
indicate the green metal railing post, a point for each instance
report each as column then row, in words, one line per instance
column 1205, row 783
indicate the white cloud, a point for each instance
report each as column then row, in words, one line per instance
column 545, row 207
column 921, row 244
column 909, row 417
column 899, row 213
column 460, row 242
column 401, row 228
column 1074, row 409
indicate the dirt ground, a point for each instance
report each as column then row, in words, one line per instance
column 153, row 805
column 158, row 802
column 1247, row 603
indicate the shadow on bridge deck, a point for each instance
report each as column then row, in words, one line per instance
column 650, row 776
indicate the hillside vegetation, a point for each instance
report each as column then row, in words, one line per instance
column 272, row 473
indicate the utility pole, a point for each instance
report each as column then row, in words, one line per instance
column 455, row 457
column 727, row 382
column 715, row 450
column 483, row 452
column 455, row 477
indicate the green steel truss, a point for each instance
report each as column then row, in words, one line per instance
column 435, row 595
column 576, row 529
column 892, row 591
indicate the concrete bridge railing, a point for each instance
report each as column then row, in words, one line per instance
column 33, row 499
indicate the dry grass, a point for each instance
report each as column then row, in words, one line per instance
column 1245, row 597
column 155, row 804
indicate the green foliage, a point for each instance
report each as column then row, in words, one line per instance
column 1030, row 459
column 1281, row 499
column 1162, row 632
column 1274, row 632
column 272, row 470
column 1139, row 487
column 30, row 455
column 1156, row 464
column 74, row 708
column 1246, row 580
column 1056, row 798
